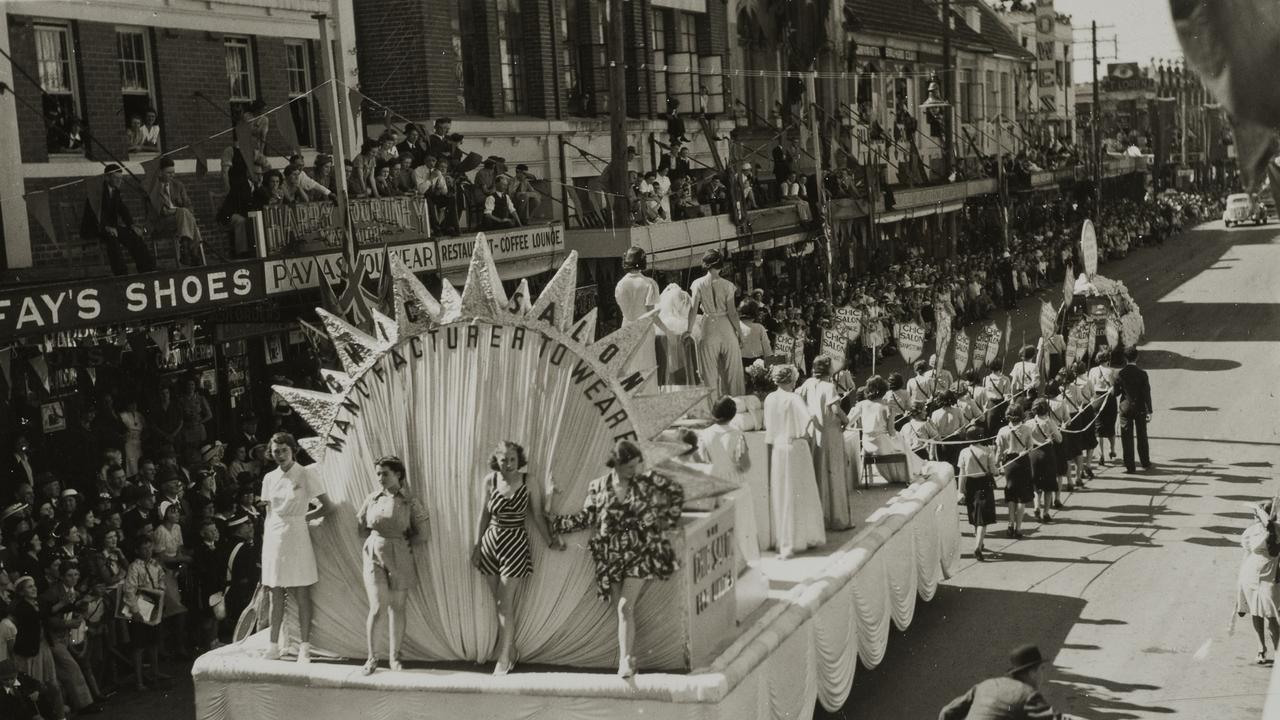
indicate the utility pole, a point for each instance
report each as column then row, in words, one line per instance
column 1097, row 118
column 618, row 115
column 336, row 132
column 810, row 89
column 949, row 83
column 1183, row 91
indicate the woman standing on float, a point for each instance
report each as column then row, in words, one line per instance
column 633, row 512
column 719, row 331
column 793, row 492
column 503, row 554
column 288, row 560
column 636, row 295
column 827, row 430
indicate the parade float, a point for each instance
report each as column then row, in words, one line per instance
column 1102, row 312
column 440, row 384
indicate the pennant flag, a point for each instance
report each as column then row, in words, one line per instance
column 315, row 337
column 284, row 123
column 160, row 336
column 41, row 367
column 93, row 376
column 354, row 100
column 1068, row 287
column 202, row 160
column 1048, row 319
column 352, row 301
column 5, row 361
column 993, row 343
column 962, row 352
column 93, row 192
column 386, row 285
column 38, row 210
column 328, row 300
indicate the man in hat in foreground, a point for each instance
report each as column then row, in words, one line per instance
column 1012, row 696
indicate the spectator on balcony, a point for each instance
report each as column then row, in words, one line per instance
column 686, row 204
column 150, row 131
column 675, row 124
column 499, row 210
column 662, row 184
column 363, row 170
column 442, row 191
column 783, row 158
column 744, row 187
column 114, row 226
column 384, row 181
column 319, row 183
column 74, row 140
column 715, row 195
column 270, row 192
column 176, row 211
column 482, row 185
column 292, row 192
column 651, row 209
column 136, row 134
column 439, row 142
column 413, row 145
column 528, row 199
column 402, row 175
column 387, row 147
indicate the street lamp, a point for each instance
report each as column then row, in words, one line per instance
column 932, row 107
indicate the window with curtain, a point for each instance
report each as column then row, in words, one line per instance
column 510, row 42
column 57, row 73
column 133, row 52
column 240, row 70
column 297, row 58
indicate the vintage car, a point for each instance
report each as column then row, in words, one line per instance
column 1241, row 208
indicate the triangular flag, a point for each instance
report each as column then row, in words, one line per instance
column 202, row 160
column 160, row 336
column 38, row 210
column 93, row 375
column 386, row 285
column 93, row 192
column 354, row 100
column 248, row 147
column 42, row 370
column 284, row 123
column 329, row 300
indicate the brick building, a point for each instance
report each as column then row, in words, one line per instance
column 105, row 62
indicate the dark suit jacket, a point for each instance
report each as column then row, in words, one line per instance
column 1001, row 698
column 115, row 213
column 1134, row 391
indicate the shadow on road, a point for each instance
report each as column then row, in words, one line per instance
column 979, row 626
column 1212, row 542
column 1098, row 698
column 1169, row 360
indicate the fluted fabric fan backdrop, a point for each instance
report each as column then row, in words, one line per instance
column 441, row 384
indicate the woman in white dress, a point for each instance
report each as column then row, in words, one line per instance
column 881, row 445
column 677, row 355
column 636, row 295
column 793, row 494
column 719, row 331
column 726, row 448
column 1258, row 595
column 823, row 402
column 288, row 561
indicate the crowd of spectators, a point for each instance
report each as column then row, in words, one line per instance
column 126, row 549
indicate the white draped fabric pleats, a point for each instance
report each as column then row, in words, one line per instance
column 801, row 652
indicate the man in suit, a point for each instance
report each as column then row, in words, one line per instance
column 1013, row 696
column 1133, row 389
column 174, row 203
column 438, row 143
column 114, row 225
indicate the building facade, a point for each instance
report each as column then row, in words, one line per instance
column 1053, row 118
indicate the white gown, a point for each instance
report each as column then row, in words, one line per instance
column 719, row 355
column 793, row 488
column 834, row 486
column 288, row 559
column 723, row 446
column 635, row 294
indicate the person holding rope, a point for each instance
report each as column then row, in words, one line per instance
column 1025, row 376
column 1079, row 392
column 918, row 433
column 1044, row 458
column 1013, row 442
column 1061, row 410
column 922, row 387
column 881, row 445
column 950, row 424
column 996, row 392
column 977, row 463
column 1107, row 364
column 898, row 400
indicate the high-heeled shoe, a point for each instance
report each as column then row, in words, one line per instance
column 369, row 666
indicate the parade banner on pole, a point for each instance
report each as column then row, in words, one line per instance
column 784, row 345
column 1089, row 248
column 832, row 344
column 944, row 337
column 992, row 350
column 1078, row 343
column 1048, row 318
column 910, row 341
column 962, row 352
column 1068, row 286
column 850, row 319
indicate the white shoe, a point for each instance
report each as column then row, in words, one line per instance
column 273, row 651
column 304, row 653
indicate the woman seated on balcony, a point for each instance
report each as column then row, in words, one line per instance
column 793, row 191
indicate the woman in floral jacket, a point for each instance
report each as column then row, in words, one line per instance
column 632, row 512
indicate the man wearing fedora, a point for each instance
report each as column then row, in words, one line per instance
column 1012, row 696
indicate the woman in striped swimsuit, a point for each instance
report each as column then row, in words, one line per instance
column 502, row 553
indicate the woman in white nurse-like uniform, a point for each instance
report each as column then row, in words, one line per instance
column 636, row 295
column 288, row 561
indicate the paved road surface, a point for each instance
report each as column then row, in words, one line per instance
column 1130, row 589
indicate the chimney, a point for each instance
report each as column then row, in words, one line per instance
column 973, row 18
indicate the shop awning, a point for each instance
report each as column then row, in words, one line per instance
column 915, row 212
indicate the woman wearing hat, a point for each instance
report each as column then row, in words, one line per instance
column 1258, row 593
column 637, row 295
column 1013, row 448
column 794, row 503
column 288, row 560
column 718, row 331
column 31, row 651
column 977, row 463
column 389, row 521
column 631, row 512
